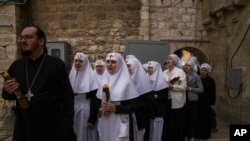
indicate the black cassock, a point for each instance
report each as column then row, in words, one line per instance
column 51, row 108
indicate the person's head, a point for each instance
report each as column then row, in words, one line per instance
column 152, row 66
column 129, row 62
column 130, row 56
column 205, row 68
column 79, row 60
column 99, row 66
column 32, row 41
column 190, row 66
column 113, row 62
column 132, row 64
column 173, row 60
column 155, row 74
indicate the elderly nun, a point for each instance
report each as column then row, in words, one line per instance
column 175, row 120
column 194, row 87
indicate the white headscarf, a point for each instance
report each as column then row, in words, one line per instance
column 83, row 80
column 157, row 79
column 145, row 67
column 99, row 62
column 196, row 65
column 177, row 60
column 196, row 61
column 139, row 76
column 192, row 62
column 130, row 56
column 207, row 66
column 97, row 75
column 120, row 84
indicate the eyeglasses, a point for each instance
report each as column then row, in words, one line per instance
column 26, row 37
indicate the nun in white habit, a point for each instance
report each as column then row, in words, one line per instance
column 99, row 68
column 141, row 117
column 113, row 124
column 160, row 88
column 85, row 88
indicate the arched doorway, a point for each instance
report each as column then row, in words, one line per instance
column 186, row 52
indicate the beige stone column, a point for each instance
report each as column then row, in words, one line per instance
column 144, row 21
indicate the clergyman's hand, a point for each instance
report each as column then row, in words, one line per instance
column 10, row 86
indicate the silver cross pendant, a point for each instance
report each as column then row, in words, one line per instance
column 29, row 95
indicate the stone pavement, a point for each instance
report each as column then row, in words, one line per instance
column 223, row 132
column 221, row 135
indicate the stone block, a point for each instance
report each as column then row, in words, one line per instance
column 2, row 53
column 11, row 52
column 186, row 18
column 182, row 11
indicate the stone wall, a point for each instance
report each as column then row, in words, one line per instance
column 94, row 27
column 180, row 23
column 227, row 24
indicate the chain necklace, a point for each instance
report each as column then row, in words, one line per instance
column 29, row 94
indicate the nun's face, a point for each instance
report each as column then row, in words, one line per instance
column 203, row 72
column 99, row 69
column 150, row 70
column 187, row 68
column 78, row 63
column 170, row 62
column 111, row 66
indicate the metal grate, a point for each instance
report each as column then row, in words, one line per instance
column 234, row 78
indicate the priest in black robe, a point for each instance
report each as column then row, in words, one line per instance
column 44, row 81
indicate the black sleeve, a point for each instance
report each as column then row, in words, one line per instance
column 162, row 95
column 146, row 104
column 66, row 95
column 128, row 106
column 161, row 102
column 145, row 100
column 93, row 106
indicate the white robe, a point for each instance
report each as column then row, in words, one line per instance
column 156, row 129
column 138, row 134
column 82, row 112
column 114, row 127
